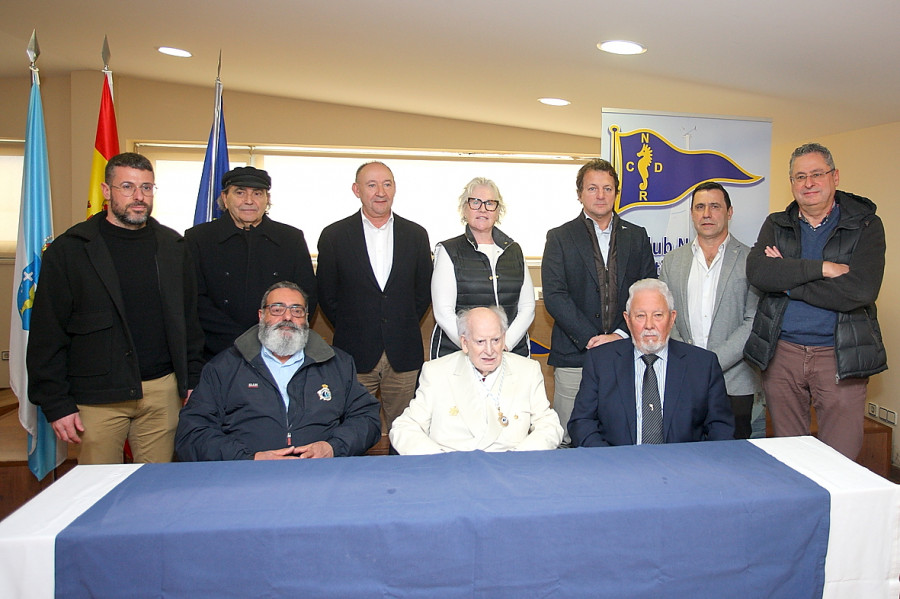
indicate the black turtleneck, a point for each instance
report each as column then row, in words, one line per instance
column 134, row 256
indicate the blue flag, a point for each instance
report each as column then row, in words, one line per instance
column 35, row 233
column 214, row 166
column 538, row 348
column 654, row 172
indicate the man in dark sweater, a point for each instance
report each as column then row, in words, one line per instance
column 115, row 344
column 240, row 254
column 816, row 337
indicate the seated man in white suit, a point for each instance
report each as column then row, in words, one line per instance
column 480, row 398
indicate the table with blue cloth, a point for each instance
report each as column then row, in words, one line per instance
column 690, row 520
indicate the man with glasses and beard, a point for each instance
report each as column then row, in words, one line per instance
column 115, row 343
column 280, row 392
column 650, row 389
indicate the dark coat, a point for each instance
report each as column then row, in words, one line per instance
column 572, row 290
column 80, row 349
column 695, row 406
column 858, row 241
column 234, row 269
column 237, row 409
column 368, row 321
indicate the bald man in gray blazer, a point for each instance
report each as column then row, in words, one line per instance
column 714, row 300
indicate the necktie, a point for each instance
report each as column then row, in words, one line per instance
column 651, row 406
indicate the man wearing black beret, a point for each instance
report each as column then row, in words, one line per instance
column 240, row 255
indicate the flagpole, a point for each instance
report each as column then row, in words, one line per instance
column 217, row 116
column 106, row 143
column 215, row 163
column 35, row 233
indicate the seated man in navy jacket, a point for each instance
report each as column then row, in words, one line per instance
column 650, row 389
column 280, row 392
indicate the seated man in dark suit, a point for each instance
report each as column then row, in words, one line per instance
column 650, row 389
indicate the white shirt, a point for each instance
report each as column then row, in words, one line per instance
column 659, row 367
column 701, row 291
column 380, row 245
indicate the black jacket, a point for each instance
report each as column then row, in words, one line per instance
column 80, row 350
column 234, row 269
column 858, row 241
column 368, row 321
column 237, row 410
column 572, row 290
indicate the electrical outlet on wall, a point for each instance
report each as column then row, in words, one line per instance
column 872, row 409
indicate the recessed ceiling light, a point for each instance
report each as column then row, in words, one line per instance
column 554, row 101
column 175, row 52
column 621, row 47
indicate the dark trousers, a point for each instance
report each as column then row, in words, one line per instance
column 742, row 406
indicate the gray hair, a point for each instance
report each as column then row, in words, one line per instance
column 284, row 285
column 811, row 148
column 462, row 319
column 467, row 193
column 650, row 285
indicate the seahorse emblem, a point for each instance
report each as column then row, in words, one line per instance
column 643, row 165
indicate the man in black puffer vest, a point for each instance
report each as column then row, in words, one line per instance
column 816, row 337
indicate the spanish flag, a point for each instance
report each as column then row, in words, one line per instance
column 105, row 146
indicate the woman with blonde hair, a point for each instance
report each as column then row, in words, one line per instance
column 481, row 267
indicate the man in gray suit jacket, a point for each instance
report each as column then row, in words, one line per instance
column 708, row 279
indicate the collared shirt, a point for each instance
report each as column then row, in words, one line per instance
column 380, row 245
column 824, row 219
column 603, row 236
column 701, row 291
column 283, row 373
column 659, row 367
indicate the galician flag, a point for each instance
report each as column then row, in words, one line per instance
column 35, row 233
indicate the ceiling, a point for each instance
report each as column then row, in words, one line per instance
column 813, row 66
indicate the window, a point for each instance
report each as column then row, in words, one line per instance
column 11, row 164
column 310, row 190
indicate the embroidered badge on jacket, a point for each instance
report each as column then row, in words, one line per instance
column 324, row 393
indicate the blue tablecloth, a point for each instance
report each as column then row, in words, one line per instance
column 692, row 520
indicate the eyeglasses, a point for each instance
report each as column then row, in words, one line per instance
column 297, row 311
column 489, row 205
column 128, row 189
column 814, row 177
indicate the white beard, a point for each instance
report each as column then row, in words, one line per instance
column 283, row 338
column 650, row 347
